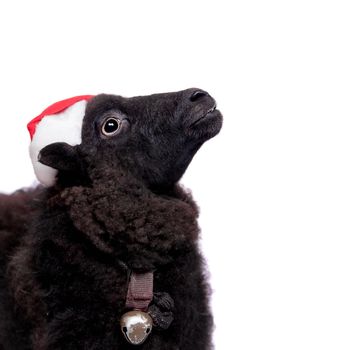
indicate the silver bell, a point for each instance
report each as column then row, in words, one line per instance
column 136, row 326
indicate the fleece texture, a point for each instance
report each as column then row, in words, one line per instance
column 66, row 252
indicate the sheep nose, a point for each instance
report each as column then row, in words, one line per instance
column 197, row 95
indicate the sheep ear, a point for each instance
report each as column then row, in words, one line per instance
column 60, row 156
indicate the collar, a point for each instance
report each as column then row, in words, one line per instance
column 140, row 291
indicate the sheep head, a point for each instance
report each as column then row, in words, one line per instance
column 152, row 138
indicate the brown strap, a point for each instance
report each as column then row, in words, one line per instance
column 140, row 291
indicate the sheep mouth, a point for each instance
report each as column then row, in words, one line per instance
column 211, row 113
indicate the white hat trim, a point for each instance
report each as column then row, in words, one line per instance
column 61, row 127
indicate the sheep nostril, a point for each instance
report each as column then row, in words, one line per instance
column 197, row 95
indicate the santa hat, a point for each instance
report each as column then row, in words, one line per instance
column 61, row 122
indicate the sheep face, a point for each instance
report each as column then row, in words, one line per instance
column 154, row 137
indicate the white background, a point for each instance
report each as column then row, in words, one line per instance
column 274, row 186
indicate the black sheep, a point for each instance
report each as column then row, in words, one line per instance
column 115, row 210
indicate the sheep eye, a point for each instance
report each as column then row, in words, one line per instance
column 110, row 126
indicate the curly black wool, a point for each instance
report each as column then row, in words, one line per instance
column 65, row 251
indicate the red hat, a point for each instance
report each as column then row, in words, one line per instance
column 60, row 122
